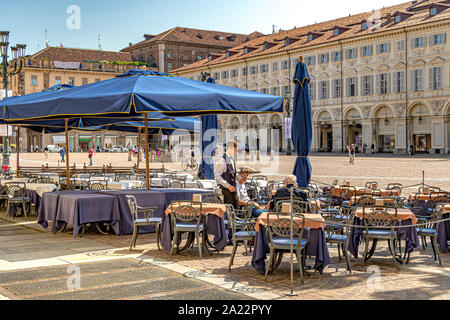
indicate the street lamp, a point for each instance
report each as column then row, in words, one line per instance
column 288, row 110
column 17, row 52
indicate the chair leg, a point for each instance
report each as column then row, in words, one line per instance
column 436, row 249
column 158, row 236
column 392, row 246
column 200, row 249
column 7, row 210
column 132, row 239
column 235, row 245
column 270, row 263
column 347, row 259
column 137, row 233
column 174, row 243
column 300, row 264
column 423, row 243
column 339, row 251
column 366, row 249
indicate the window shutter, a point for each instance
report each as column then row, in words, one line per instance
column 439, row 78
column 430, row 77
column 388, row 83
column 347, row 84
column 432, row 42
column 362, row 86
column 356, row 86
column 402, row 81
column 378, row 84
column 334, row 88
column 378, row 48
column 420, row 79
column 371, row 84
column 445, row 37
column 388, row 47
column 371, row 50
column 424, row 41
column 396, row 83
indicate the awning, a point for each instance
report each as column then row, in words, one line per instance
column 59, row 139
column 85, row 138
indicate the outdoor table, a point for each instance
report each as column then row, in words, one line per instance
column 118, row 185
column 3, row 181
column 216, row 224
column 360, row 191
column 443, row 235
column 317, row 245
column 133, row 183
column 78, row 209
column 405, row 218
column 352, row 200
column 160, row 198
column 49, row 206
column 40, row 188
column 206, row 184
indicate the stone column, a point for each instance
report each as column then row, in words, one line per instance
column 337, row 142
column 400, row 139
column 161, row 49
column 76, row 142
column 316, row 138
column 437, row 135
column 367, row 133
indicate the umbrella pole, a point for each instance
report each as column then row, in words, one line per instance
column 17, row 150
column 67, row 153
column 292, row 247
column 147, row 168
column 139, row 149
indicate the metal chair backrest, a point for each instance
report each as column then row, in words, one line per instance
column 376, row 193
column 177, row 184
column 45, row 179
column 394, row 187
column 211, row 198
column 371, row 185
column 379, row 217
column 132, row 204
column 366, row 201
column 15, row 189
column 298, row 206
column 186, row 211
column 96, row 185
column 279, row 226
column 438, row 197
column 347, row 192
column 122, row 176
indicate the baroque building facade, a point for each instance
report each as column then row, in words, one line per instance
column 378, row 78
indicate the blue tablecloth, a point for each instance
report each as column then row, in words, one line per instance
column 407, row 234
column 444, row 233
column 317, row 246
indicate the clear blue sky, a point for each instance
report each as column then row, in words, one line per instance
column 120, row 21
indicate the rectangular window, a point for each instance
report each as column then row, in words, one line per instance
column 274, row 91
column 264, row 68
column 399, row 81
column 57, row 81
column 336, row 56
column 285, row 91
column 417, row 80
column 224, row 74
column 383, row 83
column 285, row 65
column 435, row 78
column 351, row 53
column 312, row 90
column 337, row 91
column 401, row 45
column 234, row 73
column 419, row 42
column 295, row 62
column 254, row 70
column 216, row 75
column 72, row 81
column 366, row 85
column 384, row 47
column 323, row 90
column 438, row 39
column 244, row 71
column 309, row 61
column 275, row 66
column 352, row 87
column 84, row 81
column 366, row 51
column 33, row 81
column 324, row 58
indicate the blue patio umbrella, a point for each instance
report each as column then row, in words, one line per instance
column 137, row 92
column 302, row 125
column 208, row 140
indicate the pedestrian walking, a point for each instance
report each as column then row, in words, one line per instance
column 372, row 148
column 349, row 154
column 353, row 153
column 62, row 153
column 90, row 154
column 46, row 152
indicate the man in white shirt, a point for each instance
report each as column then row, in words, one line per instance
column 243, row 198
column 226, row 174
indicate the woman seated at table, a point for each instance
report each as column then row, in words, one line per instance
column 243, row 198
column 289, row 182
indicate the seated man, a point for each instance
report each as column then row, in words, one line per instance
column 289, row 181
column 243, row 198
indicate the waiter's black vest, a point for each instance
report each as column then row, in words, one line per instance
column 229, row 175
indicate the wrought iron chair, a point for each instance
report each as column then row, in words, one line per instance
column 394, row 187
column 211, row 198
column 373, row 219
column 122, row 176
column 97, row 185
column 371, row 185
column 347, row 193
column 177, row 184
column 431, row 229
column 376, row 192
column 45, row 179
column 148, row 219
column 3, row 196
column 336, row 233
column 16, row 194
column 299, row 206
column 243, row 231
column 186, row 217
column 279, row 231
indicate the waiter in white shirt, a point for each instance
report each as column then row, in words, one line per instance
column 226, row 174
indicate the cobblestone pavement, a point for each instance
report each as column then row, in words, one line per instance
column 422, row 278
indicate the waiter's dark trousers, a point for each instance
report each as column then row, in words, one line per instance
column 230, row 198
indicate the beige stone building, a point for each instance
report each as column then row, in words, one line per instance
column 379, row 77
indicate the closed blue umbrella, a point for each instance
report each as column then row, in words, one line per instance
column 302, row 125
column 210, row 126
